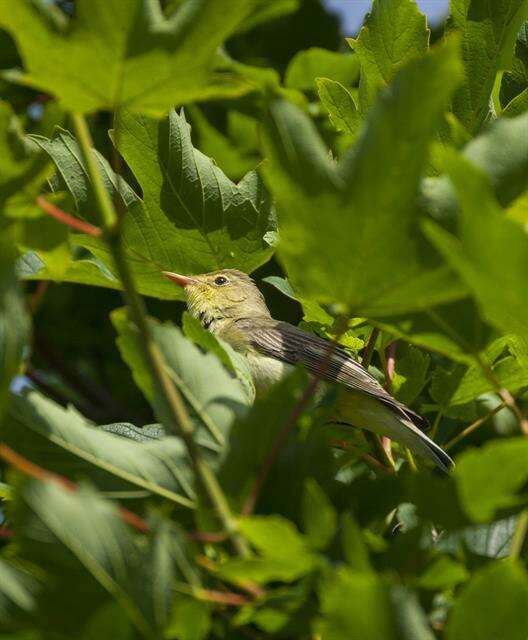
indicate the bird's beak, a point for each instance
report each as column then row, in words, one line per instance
column 182, row 281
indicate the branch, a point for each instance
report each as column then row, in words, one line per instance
column 174, row 412
column 33, row 470
column 67, row 219
column 473, row 426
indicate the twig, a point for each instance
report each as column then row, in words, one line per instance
column 369, row 460
column 519, row 535
column 473, row 426
column 35, row 299
column 33, row 470
column 222, row 597
column 369, row 349
column 174, row 412
column 67, row 219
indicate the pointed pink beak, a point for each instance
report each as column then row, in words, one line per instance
column 182, row 281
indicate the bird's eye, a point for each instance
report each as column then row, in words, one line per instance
column 220, row 280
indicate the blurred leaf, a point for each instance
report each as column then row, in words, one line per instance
column 319, row 515
column 313, row 63
column 124, row 52
column 17, row 594
column 339, row 103
column 410, row 621
column 517, row 106
column 62, row 440
column 410, row 374
column 367, row 200
column 80, row 536
column 265, row 11
column 499, row 151
column 443, row 573
column 488, row 37
column 462, row 384
column 190, row 619
column 354, row 547
column 348, row 599
column 479, row 613
column 393, row 33
column 220, row 148
column 488, row 540
column 214, row 396
column 492, row 252
column 111, row 619
column 283, row 553
column 489, row 478
column 22, row 169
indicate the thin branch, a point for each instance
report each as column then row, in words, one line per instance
column 369, row 349
column 174, row 412
column 369, row 460
column 67, row 219
column 33, row 470
column 35, row 299
column 473, row 426
column 519, row 535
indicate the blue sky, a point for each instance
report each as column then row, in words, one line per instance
column 353, row 11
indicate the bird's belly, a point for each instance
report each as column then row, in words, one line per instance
column 266, row 371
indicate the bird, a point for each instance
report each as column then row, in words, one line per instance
column 229, row 304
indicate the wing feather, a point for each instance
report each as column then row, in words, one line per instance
column 285, row 342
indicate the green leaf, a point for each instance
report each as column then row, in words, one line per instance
column 348, row 599
column 363, row 252
column 489, row 478
column 62, row 440
column 110, row 619
column 190, row 619
column 22, row 168
column 443, row 573
column 191, row 218
column 410, row 374
column 308, row 65
column 17, row 594
column 339, row 103
column 500, row 151
column 487, row 540
column 491, row 253
column 213, row 395
column 354, row 547
column 479, row 613
column 394, row 32
column 123, row 53
column 409, row 618
column 78, row 536
column 488, row 38
column 283, row 553
column 319, row 515
column 462, row 384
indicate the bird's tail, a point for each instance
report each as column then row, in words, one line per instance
column 366, row 412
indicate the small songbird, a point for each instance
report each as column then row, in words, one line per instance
column 229, row 304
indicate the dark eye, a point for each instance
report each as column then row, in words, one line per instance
column 220, row 280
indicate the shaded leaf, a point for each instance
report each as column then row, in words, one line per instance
column 488, row 33
column 123, row 52
column 308, row 65
column 480, row 613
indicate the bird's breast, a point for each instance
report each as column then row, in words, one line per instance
column 266, row 371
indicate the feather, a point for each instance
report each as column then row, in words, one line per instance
column 332, row 363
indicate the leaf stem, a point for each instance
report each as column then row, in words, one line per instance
column 174, row 412
column 473, row 426
column 519, row 535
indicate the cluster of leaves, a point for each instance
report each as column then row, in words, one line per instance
column 393, row 192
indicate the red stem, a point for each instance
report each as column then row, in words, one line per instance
column 67, row 219
column 35, row 471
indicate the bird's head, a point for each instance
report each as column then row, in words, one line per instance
column 221, row 295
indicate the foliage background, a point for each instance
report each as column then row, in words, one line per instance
column 384, row 180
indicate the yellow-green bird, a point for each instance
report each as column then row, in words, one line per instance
column 229, row 304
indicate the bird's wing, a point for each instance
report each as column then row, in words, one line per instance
column 328, row 361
